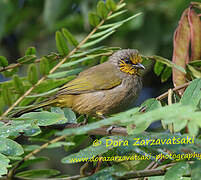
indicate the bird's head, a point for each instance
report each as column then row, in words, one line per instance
column 128, row 61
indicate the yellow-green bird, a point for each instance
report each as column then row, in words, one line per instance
column 103, row 89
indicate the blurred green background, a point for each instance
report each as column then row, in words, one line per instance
column 25, row 23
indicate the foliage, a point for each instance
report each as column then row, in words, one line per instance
column 181, row 114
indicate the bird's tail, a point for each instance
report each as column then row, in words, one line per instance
column 34, row 107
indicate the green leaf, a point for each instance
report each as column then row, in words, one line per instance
column 10, row 72
column 6, row 94
column 17, row 82
column 33, row 130
column 14, row 128
column 65, row 73
column 166, row 74
column 98, row 34
column 10, row 147
column 32, row 74
column 51, row 84
column 177, row 171
column 110, row 4
column 30, row 51
column 60, row 144
column 102, row 10
column 29, row 148
column 68, row 64
column 4, row 164
column 91, row 43
column 60, row 111
column 195, row 63
column 70, row 115
column 27, row 59
column 38, row 173
column 131, row 129
column 193, row 128
column 79, row 54
column 196, row 73
column 94, row 19
column 32, row 161
column 44, row 118
column 61, row 44
column 158, row 68
column 43, row 94
column 192, row 94
column 157, row 178
column 151, row 104
column 116, row 14
column 111, row 173
column 168, row 63
column 195, row 170
column 69, row 37
column 2, row 105
column 3, row 61
column 179, row 124
column 120, row 22
column 44, row 66
column 120, row 6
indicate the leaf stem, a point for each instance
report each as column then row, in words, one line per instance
column 12, row 66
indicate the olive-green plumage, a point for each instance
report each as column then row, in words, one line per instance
column 104, row 89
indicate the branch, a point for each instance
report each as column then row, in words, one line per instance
column 99, row 131
column 12, row 66
column 164, row 95
column 144, row 173
column 149, row 173
column 57, row 66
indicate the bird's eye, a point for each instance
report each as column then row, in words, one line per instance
column 127, row 60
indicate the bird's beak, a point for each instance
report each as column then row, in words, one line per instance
column 138, row 66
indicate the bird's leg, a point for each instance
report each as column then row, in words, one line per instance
column 100, row 115
column 85, row 119
column 109, row 129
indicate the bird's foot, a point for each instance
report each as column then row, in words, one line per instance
column 100, row 115
column 85, row 121
column 109, row 130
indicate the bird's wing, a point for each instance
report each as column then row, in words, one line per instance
column 100, row 77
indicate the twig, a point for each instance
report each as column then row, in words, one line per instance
column 164, row 95
column 19, row 64
column 148, row 173
column 170, row 92
column 57, row 66
column 144, row 173
column 104, row 131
